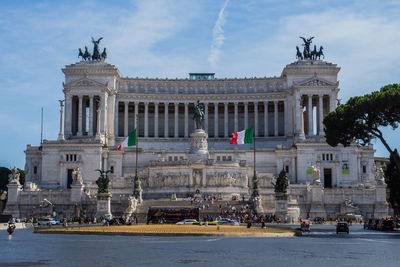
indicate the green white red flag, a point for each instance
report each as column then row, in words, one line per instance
column 130, row 140
column 242, row 137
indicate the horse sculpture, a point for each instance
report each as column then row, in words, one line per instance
column 198, row 115
column 81, row 54
column 320, row 53
column 104, row 54
column 299, row 56
column 86, row 55
column 313, row 54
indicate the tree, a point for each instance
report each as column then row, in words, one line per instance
column 21, row 176
column 4, row 172
column 392, row 179
column 362, row 117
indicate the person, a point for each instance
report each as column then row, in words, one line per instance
column 10, row 228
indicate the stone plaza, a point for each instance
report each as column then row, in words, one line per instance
column 176, row 160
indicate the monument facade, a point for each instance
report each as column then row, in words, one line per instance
column 180, row 155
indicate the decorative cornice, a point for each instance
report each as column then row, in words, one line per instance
column 92, row 68
column 231, row 98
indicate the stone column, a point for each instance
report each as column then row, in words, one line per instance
column 285, row 118
column 176, row 132
column 68, row 115
column 265, row 118
column 276, row 118
column 226, row 119
column 155, row 119
column 79, row 117
column 216, row 119
column 320, row 115
column 256, row 119
column 126, row 118
column 186, row 120
column 136, row 116
column 90, row 116
column 310, row 116
column 246, row 115
column 98, row 122
column 332, row 102
column 146, row 119
column 299, row 122
column 61, row 133
column 166, row 119
column 236, row 125
column 206, row 117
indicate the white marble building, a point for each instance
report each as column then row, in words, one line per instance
column 286, row 111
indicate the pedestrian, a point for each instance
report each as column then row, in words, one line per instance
column 10, row 229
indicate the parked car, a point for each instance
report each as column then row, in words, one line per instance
column 224, row 221
column 46, row 221
column 187, row 221
column 387, row 225
column 342, row 227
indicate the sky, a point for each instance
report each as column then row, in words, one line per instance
column 152, row 38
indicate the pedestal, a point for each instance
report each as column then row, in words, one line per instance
column 281, row 206
column 76, row 193
column 12, row 207
column 381, row 207
column 104, row 205
column 317, row 205
column 198, row 146
column 258, row 205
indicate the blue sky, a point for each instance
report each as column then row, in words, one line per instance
column 172, row 38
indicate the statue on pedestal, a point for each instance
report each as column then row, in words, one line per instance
column 380, row 177
column 282, row 182
column 77, row 176
column 198, row 115
column 103, row 181
column 13, row 177
column 316, row 175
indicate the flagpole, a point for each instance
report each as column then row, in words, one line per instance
column 255, row 180
column 137, row 155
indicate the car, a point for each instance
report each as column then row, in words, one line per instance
column 342, row 227
column 46, row 221
column 187, row 221
column 224, row 221
column 387, row 225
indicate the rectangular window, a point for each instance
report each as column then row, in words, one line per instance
column 323, row 156
column 112, row 169
column 287, row 169
column 364, row 169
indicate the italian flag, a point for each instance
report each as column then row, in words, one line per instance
column 129, row 141
column 243, row 137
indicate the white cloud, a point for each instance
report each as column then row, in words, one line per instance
column 218, row 36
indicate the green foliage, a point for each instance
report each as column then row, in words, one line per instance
column 21, row 176
column 392, row 179
column 361, row 118
column 4, row 172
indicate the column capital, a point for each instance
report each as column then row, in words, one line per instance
column 276, row 102
column 236, row 103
